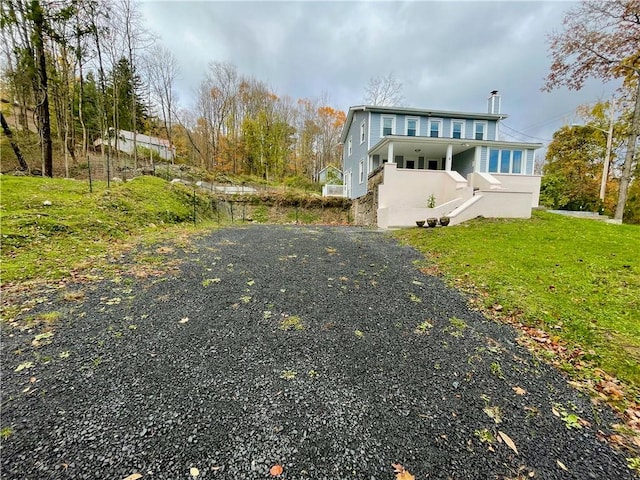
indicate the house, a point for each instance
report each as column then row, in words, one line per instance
column 396, row 160
column 330, row 174
column 125, row 142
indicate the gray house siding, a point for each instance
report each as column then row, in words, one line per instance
column 374, row 129
column 400, row 126
column 469, row 131
column 400, row 119
column 530, row 162
column 463, row 162
column 483, row 159
column 358, row 152
column 491, row 130
column 424, row 126
column 446, row 128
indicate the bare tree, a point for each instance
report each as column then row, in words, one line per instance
column 600, row 39
column 383, row 91
column 162, row 69
column 135, row 37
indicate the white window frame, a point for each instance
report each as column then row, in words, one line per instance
column 362, row 132
column 484, row 131
column 361, row 172
column 350, row 146
column 439, row 122
column 406, row 125
column 393, row 124
column 457, row 120
column 523, row 157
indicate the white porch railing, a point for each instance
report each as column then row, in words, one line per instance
column 334, row 191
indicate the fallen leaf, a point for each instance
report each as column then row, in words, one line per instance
column 133, row 476
column 519, row 390
column 43, row 336
column 24, row 365
column 508, row 441
column 276, row 470
column 194, row 472
column 562, row 465
column 494, row 413
column 401, row 473
column 184, row 320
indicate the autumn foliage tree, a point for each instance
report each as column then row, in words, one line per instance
column 600, row 40
column 572, row 171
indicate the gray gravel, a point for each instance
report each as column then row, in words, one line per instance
column 192, row 369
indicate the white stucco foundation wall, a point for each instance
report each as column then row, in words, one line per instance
column 412, row 188
column 406, row 217
column 522, row 183
column 403, row 195
column 494, row 204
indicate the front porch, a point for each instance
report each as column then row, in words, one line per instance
column 426, row 153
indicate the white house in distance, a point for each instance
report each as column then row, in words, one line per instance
column 395, row 159
column 329, row 173
column 165, row 150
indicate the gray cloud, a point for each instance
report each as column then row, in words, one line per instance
column 448, row 55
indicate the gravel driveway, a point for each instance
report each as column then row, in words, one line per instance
column 320, row 349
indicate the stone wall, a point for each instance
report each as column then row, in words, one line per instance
column 365, row 208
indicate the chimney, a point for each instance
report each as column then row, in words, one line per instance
column 493, row 103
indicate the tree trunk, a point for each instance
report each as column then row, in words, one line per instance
column 625, row 178
column 43, row 102
column 81, row 92
column 14, row 145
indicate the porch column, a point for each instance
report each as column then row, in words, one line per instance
column 449, row 158
column 390, row 157
column 476, row 159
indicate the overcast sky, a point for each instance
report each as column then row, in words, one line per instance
column 448, row 55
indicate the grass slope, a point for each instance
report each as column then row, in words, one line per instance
column 47, row 242
column 577, row 279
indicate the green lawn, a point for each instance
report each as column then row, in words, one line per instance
column 47, row 242
column 578, row 279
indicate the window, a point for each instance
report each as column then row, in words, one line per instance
column 493, row 161
column 434, row 128
column 361, row 171
column 516, row 166
column 505, row 161
column 479, row 130
column 362, row 136
column 350, row 146
column 457, row 129
column 388, row 126
column 412, row 127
